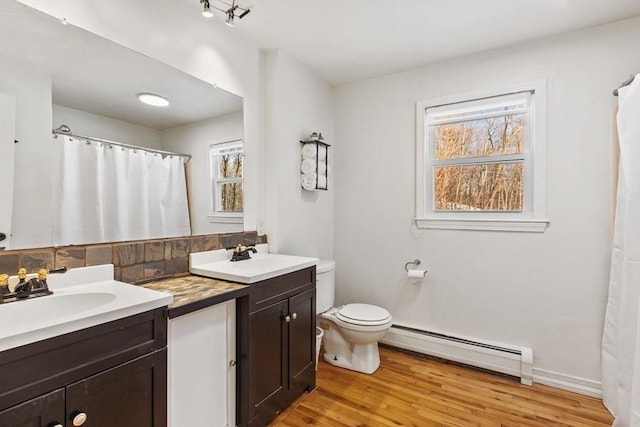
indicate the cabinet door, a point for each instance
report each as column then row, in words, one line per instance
column 302, row 342
column 43, row 411
column 130, row 395
column 201, row 377
column 267, row 361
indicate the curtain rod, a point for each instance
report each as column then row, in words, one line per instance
column 65, row 130
column 625, row 83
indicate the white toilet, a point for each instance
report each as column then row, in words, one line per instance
column 351, row 332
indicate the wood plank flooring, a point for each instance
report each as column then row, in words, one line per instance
column 412, row 390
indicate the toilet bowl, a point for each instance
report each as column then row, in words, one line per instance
column 352, row 331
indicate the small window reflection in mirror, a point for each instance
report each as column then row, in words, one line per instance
column 227, row 162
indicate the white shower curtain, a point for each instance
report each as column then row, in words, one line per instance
column 104, row 193
column 621, row 339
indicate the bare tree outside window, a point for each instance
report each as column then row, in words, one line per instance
column 480, row 160
column 230, row 166
column 227, row 164
column 482, row 185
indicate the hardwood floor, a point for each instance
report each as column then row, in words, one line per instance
column 411, row 390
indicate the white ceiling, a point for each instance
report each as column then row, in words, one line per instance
column 349, row 40
column 95, row 75
column 340, row 40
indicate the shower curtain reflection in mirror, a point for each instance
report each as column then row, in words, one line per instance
column 105, row 193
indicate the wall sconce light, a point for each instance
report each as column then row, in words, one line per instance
column 231, row 10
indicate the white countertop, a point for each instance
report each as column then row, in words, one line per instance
column 82, row 298
column 262, row 265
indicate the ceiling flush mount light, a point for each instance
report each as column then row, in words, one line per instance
column 231, row 10
column 153, row 99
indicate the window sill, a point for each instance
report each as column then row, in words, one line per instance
column 515, row 225
column 236, row 219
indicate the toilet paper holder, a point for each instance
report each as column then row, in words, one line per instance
column 415, row 263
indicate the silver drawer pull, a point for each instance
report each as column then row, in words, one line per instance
column 287, row 318
column 232, row 363
column 294, row 316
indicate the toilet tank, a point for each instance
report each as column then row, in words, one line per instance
column 325, row 285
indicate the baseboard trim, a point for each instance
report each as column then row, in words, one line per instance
column 569, row 383
column 498, row 357
column 495, row 357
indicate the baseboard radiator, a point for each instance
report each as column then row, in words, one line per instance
column 510, row 360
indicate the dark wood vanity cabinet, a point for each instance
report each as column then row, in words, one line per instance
column 114, row 373
column 279, row 348
column 124, row 395
column 43, row 411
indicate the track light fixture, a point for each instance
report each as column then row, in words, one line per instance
column 206, row 12
column 231, row 10
column 229, row 20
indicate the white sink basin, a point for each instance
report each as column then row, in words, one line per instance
column 261, row 266
column 52, row 307
column 74, row 306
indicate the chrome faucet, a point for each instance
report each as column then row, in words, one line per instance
column 242, row 252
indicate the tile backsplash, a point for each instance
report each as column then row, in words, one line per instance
column 135, row 262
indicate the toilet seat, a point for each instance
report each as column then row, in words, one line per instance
column 363, row 315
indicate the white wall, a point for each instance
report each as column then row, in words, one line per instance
column 546, row 291
column 173, row 33
column 31, row 224
column 195, row 139
column 31, row 197
column 83, row 123
column 298, row 222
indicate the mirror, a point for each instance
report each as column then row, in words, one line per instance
column 60, row 74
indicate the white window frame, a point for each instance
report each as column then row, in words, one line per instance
column 215, row 152
column 532, row 218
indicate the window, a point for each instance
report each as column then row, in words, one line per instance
column 226, row 177
column 481, row 161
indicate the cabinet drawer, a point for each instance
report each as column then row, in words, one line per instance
column 273, row 290
column 132, row 394
column 41, row 411
column 37, row 368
